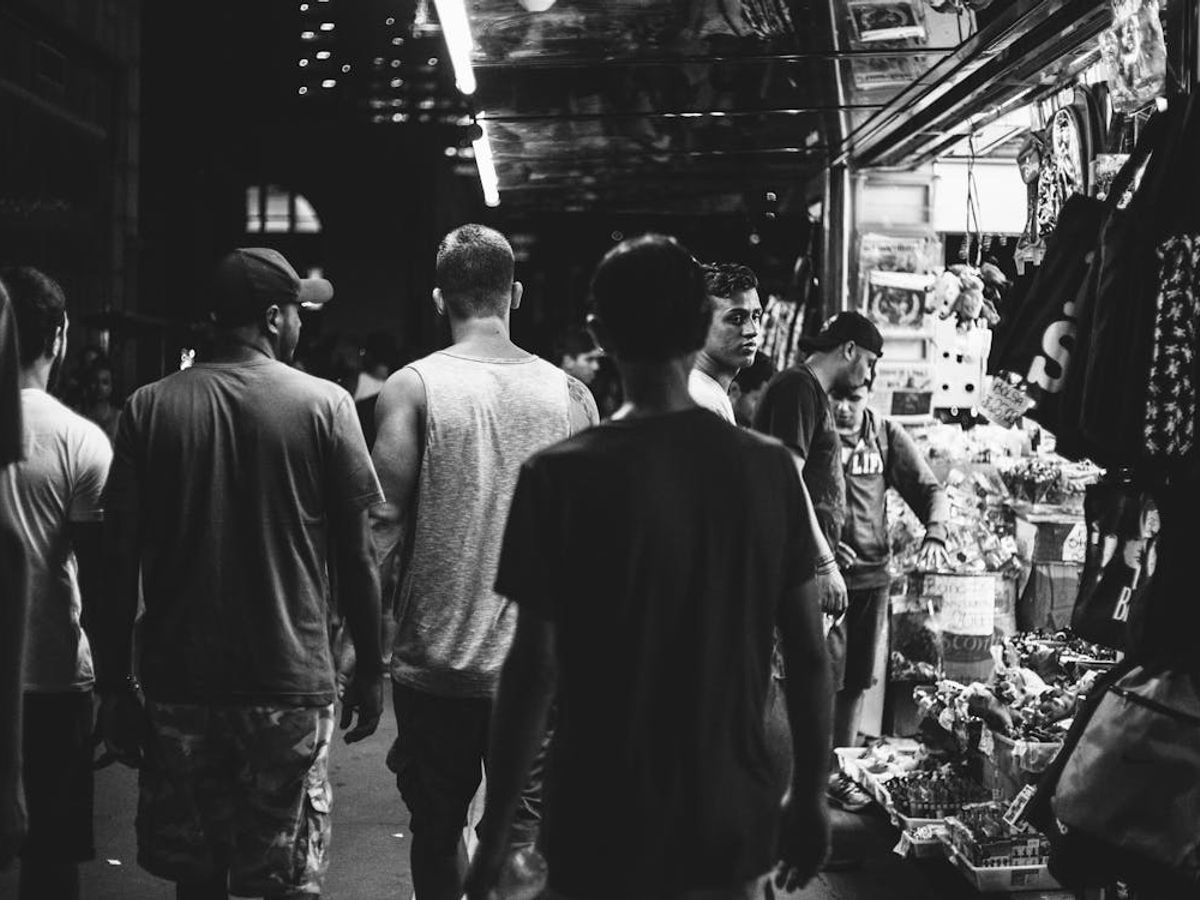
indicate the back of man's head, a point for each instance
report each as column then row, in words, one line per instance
column 651, row 300
column 40, row 307
column 726, row 279
column 475, row 272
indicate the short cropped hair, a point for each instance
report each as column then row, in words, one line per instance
column 575, row 342
column 726, row 279
column 649, row 295
column 40, row 308
column 756, row 374
column 475, row 268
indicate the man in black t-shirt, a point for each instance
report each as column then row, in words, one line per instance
column 796, row 409
column 651, row 558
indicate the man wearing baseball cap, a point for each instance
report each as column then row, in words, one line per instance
column 238, row 484
column 796, row 409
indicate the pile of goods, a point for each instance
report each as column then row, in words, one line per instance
column 983, row 837
column 884, row 761
column 1033, row 696
column 935, row 794
column 1046, row 481
column 980, row 534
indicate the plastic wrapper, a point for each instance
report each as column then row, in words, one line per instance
column 1135, row 55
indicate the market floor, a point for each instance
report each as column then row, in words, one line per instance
column 370, row 843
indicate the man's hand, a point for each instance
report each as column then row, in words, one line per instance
column 484, row 873
column 122, row 724
column 14, row 822
column 364, row 696
column 803, row 842
column 831, row 588
column 846, row 555
column 932, row 557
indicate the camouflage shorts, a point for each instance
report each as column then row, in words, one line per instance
column 243, row 789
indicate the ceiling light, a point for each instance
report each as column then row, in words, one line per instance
column 390, row 20
column 323, row 54
column 328, row 83
column 303, row 91
column 303, row 63
column 345, row 68
column 487, row 167
column 457, row 30
column 308, row 35
column 327, row 26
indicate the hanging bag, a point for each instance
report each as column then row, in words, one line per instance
column 1132, row 782
column 1122, row 524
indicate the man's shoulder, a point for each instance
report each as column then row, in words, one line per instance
column 55, row 417
column 796, row 378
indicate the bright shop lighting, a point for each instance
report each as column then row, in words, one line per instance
column 487, row 168
column 457, row 30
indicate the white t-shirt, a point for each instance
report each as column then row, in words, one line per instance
column 66, row 464
column 707, row 391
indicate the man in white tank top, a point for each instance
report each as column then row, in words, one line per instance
column 453, row 431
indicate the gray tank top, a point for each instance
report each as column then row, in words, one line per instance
column 484, row 418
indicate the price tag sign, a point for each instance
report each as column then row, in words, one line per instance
column 1005, row 403
column 1074, row 549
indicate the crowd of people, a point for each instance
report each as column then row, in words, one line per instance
column 628, row 622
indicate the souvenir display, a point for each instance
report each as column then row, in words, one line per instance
column 1135, row 54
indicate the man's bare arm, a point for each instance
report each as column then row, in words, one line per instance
column 583, row 406
column 400, row 420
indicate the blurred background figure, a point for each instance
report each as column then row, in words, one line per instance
column 100, row 402
column 577, row 355
column 748, row 387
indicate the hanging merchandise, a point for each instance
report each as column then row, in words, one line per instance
column 1135, row 54
column 1122, row 533
column 781, row 328
column 1171, row 398
column 1124, row 308
column 1131, row 786
column 1042, row 342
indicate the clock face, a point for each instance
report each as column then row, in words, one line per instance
column 1066, row 145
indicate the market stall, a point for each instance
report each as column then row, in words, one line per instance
column 1039, row 293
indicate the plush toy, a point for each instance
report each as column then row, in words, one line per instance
column 969, row 294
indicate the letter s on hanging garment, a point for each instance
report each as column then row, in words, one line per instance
column 1049, row 368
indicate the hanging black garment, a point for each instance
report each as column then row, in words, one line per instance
column 1116, row 377
column 1043, row 340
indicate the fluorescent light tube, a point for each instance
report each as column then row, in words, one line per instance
column 457, row 31
column 487, row 168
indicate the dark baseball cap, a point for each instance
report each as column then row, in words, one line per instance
column 250, row 279
column 845, row 326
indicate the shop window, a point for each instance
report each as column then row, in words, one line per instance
column 275, row 210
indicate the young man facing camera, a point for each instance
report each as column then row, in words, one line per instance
column 650, row 560
column 732, row 339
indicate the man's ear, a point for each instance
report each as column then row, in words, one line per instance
column 439, row 302
column 598, row 332
column 273, row 318
column 518, row 291
column 58, row 350
column 848, row 350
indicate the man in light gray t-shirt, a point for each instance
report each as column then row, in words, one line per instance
column 453, row 431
